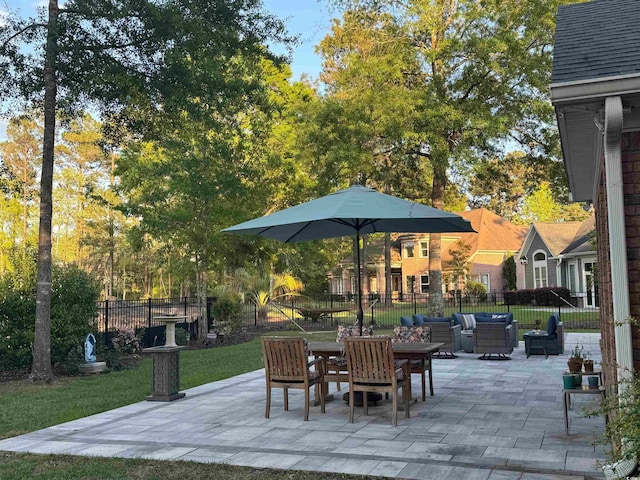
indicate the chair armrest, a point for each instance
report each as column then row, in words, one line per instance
column 320, row 361
column 457, row 337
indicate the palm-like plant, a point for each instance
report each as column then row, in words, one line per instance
column 266, row 289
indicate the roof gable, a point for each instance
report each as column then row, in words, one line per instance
column 561, row 238
column 588, row 33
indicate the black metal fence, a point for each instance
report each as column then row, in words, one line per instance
column 331, row 310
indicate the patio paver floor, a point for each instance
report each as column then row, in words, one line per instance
column 488, row 420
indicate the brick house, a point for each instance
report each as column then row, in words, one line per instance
column 484, row 255
column 595, row 90
column 561, row 254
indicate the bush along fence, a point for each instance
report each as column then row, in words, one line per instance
column 331, row 310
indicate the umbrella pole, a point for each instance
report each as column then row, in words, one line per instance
column 359, row 278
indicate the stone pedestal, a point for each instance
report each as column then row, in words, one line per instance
column 95, row 367
column 166, row 373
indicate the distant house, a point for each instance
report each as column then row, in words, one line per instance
column 484, row 255
column 562, row 255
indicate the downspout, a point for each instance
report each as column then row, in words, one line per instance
column 617, row 236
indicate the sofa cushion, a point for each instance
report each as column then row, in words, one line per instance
column 493, row 319
column 406, row 322
column 437, row 319
column 552, row 324
column 467, row 321
column 418, row 319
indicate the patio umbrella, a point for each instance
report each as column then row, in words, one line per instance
column 354, row 210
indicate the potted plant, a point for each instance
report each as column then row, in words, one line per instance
column 575, row 361
column 587, row 362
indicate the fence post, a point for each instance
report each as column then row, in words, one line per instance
column 149, row 311
column 255, row 314
column 415, row 305
column 373, row 321
column 185, row 305
column 106, row 323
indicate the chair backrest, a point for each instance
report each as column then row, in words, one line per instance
column 352, row 331
column 285, row 358
column 370, row 359
column 411, row 334
column 552, row 324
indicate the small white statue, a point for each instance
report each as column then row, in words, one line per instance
column 90, row 349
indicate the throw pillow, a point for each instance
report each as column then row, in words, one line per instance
column 418, row 319
column 467, row 321
column 406, row 322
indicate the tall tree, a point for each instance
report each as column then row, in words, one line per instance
column 134, row 54
column 482, row 73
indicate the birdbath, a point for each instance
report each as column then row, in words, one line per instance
column 170, row 322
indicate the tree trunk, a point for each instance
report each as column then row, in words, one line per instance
column 41, row 368
column 201, row 289
column 436, row 301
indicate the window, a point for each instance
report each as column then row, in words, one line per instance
column 411, row 280
column 540, row 270
column 408, row 250
column 354, row 285
column 337, row 286
column 424, row 249
column 373, row 284
column 482, row 278
column 571, row 278
column 424, row 283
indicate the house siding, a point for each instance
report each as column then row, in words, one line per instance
column 631, row 174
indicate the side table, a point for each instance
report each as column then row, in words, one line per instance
column 534, row 342
column 466, row 338
column 582, row 390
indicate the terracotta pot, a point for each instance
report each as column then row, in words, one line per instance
column 588, row 366
column 575, row 364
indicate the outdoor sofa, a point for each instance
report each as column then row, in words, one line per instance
column 484, row 317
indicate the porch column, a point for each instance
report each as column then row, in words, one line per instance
column 617, row 235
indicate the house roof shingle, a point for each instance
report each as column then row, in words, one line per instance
column 588, row 33
column 566, row 237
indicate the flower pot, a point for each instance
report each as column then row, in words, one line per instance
column 594, row 381
column 568, row 381
column 577, row 380
column 588, row 366
column 575, row 364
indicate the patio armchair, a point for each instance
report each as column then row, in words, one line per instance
column 372, row 368
column 555, row 329
column 336, row 367
column 491, row 338
column 416, row 335
column 286, row 366
column 442, row 331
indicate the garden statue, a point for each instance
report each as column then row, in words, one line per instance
column 90, row 348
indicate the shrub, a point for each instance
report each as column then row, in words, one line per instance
column 475, row 292
column 226, row 313
column 73, row 307
column 125, row 341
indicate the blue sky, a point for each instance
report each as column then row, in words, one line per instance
column 309, row 19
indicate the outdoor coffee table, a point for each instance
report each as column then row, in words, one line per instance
column 581, row 390
column 534, row 341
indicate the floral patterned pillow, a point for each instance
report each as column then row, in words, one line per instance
column 353, row 331
column 411, row 334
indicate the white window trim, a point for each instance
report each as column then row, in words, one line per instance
column 420, row 249
column 538, row 264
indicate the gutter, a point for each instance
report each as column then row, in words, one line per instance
column 617, row 237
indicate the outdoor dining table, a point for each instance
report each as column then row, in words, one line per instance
column 401, row 351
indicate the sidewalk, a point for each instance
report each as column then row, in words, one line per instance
column 497, row 420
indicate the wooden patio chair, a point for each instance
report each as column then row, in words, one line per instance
column 416, row 335
column 336, row 367
column 372, row 369
column 286, row 366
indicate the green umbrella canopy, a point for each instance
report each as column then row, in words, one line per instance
column 354, row 210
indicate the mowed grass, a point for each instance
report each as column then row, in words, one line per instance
column 17, row 466
column 27, row 407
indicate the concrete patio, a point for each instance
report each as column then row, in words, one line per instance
column 497, row 420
